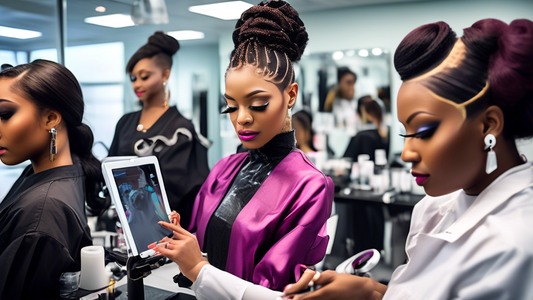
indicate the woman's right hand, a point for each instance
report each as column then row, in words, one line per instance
column 183, row 249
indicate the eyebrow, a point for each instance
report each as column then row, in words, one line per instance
column 141, row 71
column 254, row 93
column 248, row 95
column 411, row 117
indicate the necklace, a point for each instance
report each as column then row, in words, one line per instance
column 140, row 127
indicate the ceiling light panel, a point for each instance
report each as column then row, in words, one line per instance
column 183, row 35
column 231, row 10
column 16, row 33
column 113, row 21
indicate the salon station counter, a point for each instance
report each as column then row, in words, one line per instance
column 401, row 200
column 159, row 285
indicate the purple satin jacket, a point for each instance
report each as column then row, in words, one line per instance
column 282, row 226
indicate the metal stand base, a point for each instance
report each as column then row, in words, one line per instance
column 138, row 268
column 135, row 289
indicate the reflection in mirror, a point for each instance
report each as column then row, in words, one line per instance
column 348, row 96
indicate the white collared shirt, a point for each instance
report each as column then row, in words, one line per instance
column 467, row 247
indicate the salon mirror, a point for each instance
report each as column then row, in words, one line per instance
column 317, row 76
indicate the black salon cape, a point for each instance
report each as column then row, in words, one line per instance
column 43, row 227
column 366, row 142
column 184, row 164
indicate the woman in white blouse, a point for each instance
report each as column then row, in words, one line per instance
column 463, row 103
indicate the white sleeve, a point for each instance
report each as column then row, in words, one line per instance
column 213, row 283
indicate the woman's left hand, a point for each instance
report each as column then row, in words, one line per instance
column 335, row 286
column 183, row 249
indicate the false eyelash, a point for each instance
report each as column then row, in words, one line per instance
column 422, row 134
column 260, row 107
column 229, row 109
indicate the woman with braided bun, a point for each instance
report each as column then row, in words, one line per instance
column 159, row 129
column 262, row 213
column 463, row 103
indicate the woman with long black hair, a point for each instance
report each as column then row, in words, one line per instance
column 43, row 225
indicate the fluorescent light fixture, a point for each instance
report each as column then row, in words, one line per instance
column 183, row 35
column 16, row 33
column 377, row 51
column 114, row 20
column 231, row 10
column 337, row 55
column 100, row 9
column 363, row 53
column 350, row 53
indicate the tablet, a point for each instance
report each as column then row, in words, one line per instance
column 138, row 192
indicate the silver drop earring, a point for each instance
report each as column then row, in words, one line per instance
column 167, row 94
column 53, row 147
column 492, row 163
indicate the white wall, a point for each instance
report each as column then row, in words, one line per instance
column 385, row 26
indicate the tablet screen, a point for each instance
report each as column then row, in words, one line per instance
column 140, row 195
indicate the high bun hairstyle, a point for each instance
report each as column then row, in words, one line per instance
column 492, row 64
column 270, row 36
column 160, row 46
column 49, row 85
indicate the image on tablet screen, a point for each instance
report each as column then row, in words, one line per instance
column 141, row 199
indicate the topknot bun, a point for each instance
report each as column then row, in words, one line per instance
column 165, row 42
column 422, row 48
column 274, row 24
column 511, row 66
column 482, row 37
column 158, row 43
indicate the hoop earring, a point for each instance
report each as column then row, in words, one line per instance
column 53, row 147
column 492, row 163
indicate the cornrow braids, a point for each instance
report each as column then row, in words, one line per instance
column 269, row 36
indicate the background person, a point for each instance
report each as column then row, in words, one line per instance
column 159, row 129
column 339, row 100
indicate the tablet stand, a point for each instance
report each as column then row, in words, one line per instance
column 137, row 269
